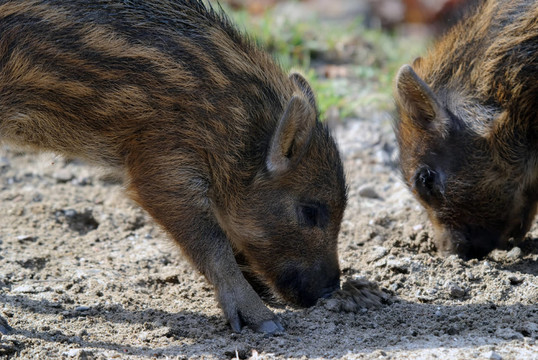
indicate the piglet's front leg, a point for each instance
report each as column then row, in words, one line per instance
column 175, row 195
column 239, row 301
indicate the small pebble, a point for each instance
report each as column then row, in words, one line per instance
column 380, row 263
column 82, row 182
column 37, row 197
column 368, row 191
column 514, row 254
column 72, row 352
column 28, row 289
column 378, row 240
column 493, row 356
column 471, row 276
column 70, row 213
column 376, row 253
column 432, row 291
column 515, row 280
column 399, row 265
column 379, row 353
column 63, row 175
column 82, row 308
column 425, row 298
column 456, row 291
column 79, row 354
column 25, row 238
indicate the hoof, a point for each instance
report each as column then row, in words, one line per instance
column 270, row 327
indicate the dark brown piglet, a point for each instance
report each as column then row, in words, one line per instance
column 213, row 139
column 468, row 128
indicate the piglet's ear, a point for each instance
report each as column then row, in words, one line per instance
column 416, row 98
column 305, row 88
column 291, row 136
column 417, row 61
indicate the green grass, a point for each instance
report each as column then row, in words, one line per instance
column 373, row 60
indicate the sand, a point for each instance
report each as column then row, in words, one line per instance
column 86, row 274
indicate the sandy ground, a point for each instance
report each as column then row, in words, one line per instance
column 85, row 274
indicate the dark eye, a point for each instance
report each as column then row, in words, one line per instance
column 313, row 215
column 426, row 179
column 428, row 183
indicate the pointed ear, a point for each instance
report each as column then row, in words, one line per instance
column 291, row 136
column 305, row 88
column 416, row 98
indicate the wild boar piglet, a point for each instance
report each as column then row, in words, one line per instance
column 467, row 128
column 221, row 147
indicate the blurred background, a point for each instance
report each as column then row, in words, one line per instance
column 350, row 50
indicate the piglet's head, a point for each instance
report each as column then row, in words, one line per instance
column 291, row 215
column 461, row 161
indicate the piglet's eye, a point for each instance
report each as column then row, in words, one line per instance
column 426, row 179
column 313, row 215
column 428, row 183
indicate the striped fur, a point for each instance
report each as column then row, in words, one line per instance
column 213, row 139
column 467, row 128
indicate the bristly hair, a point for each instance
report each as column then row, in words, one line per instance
column 216, row 16
column 131, row 13
column 206, row 10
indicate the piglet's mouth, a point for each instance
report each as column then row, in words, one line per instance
column 472, row 242
column 305, row 288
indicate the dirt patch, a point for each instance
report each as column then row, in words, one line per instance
column 86, row 274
